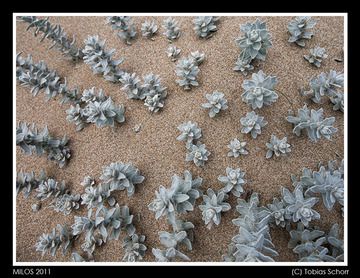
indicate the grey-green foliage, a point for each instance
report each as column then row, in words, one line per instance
column 59, row 237
column 179, row 198
column 66, row 203
column 277, row 212
column 100, row 60
column 252, row 123
column 212, row 207
column 95, row 196
column 26, row 182
column 50, row 187
column 277, row 146
column 259, row 90
column 198, row 56
column 197, row 153
column 233, row 181
column 30, row 140
column 336, row 244
column 327, row 182
column 121, row 176
column 189, row 132
column 134, row 248
column 39, row 77
column 237, row 148
column 205, row 26
column 317, row 54
column 173, row 52
column 132, row 86
column 149, row 29
column 54, row 33
column 76, row 257
column 95, row 108
column 253, row 242
column 299, row 207
column 338, row 101
column 124, row 25
column 172, row 29
column 187, row 70
column 216, row 102
column 326, row 85
column 313, row 122
column 300, row 29
column 254, row 43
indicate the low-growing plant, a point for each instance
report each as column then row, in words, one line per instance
column 187, row 70
column 237, row 148
column 300, row 29
column 149, row 29
column 197, row 153
column 172, row 29
column 316, row 56
column 252, row 123
column 173, row 52
column 216, row 102
column 189, row 132
column 134, row 248
column 124, row 25
column 277, row 146
column 205, row 26
column 233, row 181
column 198, row 56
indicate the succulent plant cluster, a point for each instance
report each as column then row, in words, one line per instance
column 205, row 26
column 259, row 90
column 196, row 152
column 172, row 29
column 151, row 91
column 237, row 148
column 39, row 77
column 124, row 25
column 134, row 248
column 56, row 34
column 97, row 108
column 316, row 56
column 277, row 146
column 187, row 70
column 233, row 181
column 216, row 103
column 254, row 44
column 313, row 245
column 173, row 52
column 252, row 123
column 149, row 29
column 300, row 29
column 327, row 85
column 30, row 140
column 100, row 60
column 314, row 123
column 253, row 242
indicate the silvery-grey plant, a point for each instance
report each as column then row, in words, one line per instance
column 329, row 185
column 317, row 54
column 39, row 77
column 95, row 196
column 233, row 181
column 299, row 207
column 300, row 29
column 259, row 90
column 325, row 85
column 253, row 242
column 314, row 124
column 50, row 187
column 149, row 29
column 59, row 237
column 254, row 44
column 277, row 212
column 66, row 203
column 216, row 102
column 187, row 70
column 30, row 140
column 198, row 56
column 336, row 244
column 124, row 25
column 189, row 132
column 338, row 101
column 95, row 108
column 173, row 52
column 237, row 148
column 172, row 29
column 121, row 176
column 212, row 207
column 132, row 86
column 155, row 93
column 76, row 257
column 56, row 34
column 277, row 146
column 26, row 182
column 100, row 60
column 134, row 248
column 197, row 153
column 205, row 26
column 252, row 123
column 179, row 198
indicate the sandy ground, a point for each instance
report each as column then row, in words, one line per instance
column 155, row 150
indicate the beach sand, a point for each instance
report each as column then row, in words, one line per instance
column 155, row 150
